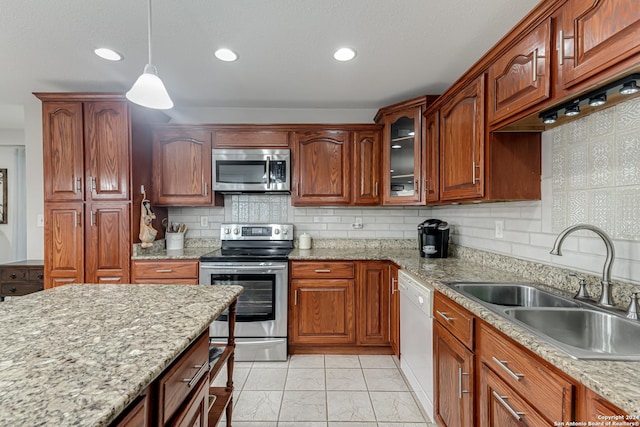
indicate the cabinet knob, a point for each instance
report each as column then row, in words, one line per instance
column 40, row 276
column 13, row 290
column 12, row 276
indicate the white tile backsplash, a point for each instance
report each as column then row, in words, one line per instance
column 591, row 173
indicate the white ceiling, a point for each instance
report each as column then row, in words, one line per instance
column 405, row 48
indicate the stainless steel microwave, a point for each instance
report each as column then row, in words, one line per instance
column 251, row 170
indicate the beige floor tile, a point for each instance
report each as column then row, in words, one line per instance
column 305, row 379
column 303, row 406
column 258, row 406
column 405, row 425
column 301, row 424
column 341, row 361
column 265, row 379
column 395, row 407
column 384, row 380
column 376, row 361
column 349, row 406
column 345, row 379
column 348, row 424
column 306, row 361
column 239, row 377
column 274, row 365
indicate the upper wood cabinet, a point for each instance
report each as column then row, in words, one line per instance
column 462, row 134
column 250, row 137
column 365, row 180
column 596, row 36
column 321, row 167
column 520, row 78
column 86, row 150
column 431, row 157
column 182, row 167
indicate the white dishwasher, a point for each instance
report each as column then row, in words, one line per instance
column 416, row 337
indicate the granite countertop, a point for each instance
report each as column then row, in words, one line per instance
column 80, row 354
column 616, row 381
column 161, row 254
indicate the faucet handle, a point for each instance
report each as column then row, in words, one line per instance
column 632, row 310
column 582, row 293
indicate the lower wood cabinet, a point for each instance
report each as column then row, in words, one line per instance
column 179, row 272
column 394, row 311
column 595, row 408
column 340, row 306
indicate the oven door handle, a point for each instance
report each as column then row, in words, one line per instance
column 243, row 267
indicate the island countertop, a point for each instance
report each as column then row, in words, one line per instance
column 80, row 354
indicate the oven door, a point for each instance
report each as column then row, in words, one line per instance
column 261, row 310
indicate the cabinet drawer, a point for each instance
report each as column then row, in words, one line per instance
column 454, row 318
column 14, row 274
column 17, row 289
column 183, row 377
column 36, row 274
column 322, row 270
column 525, row 374
column 165, row 269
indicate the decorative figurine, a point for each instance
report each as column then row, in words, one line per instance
column 147, row 232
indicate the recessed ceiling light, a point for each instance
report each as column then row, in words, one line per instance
column 344, row 54
column 108, row 54
column 226, row 55
column 396, row 146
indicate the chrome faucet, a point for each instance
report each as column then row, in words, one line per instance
column 605, row 296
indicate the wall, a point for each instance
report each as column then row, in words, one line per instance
column 13, row 234
column 530, row 228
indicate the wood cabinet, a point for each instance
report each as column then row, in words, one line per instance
column 87, row 179
column 373, row 303
column 21, row 278
column 596, row 37
column 462, row 136
column 244, row 136
column 323, row 306
column 365, row 180
column 181, row 167
column 181, row 272
column 520, row 77
column 321, row 168
column 394, row 311
column 431, row 157
column 594, row 408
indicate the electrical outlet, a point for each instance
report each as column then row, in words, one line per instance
column 40, row 220
column 357, row 223
column 204, row 222
column 499, row 229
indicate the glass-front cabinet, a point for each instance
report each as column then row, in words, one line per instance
column 402, row 173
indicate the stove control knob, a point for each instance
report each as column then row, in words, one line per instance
column 285, row 231
column 236, row 231
column 227, row 230
column 276, row 231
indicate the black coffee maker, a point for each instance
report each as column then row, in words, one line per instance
column 433, row 238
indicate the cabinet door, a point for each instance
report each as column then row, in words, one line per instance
column 401, row 157
column 373, row 292
column 462, row 144
column 366, row 168
column 107, row 150
column 182, row 168
column 520, row 78
column 194, row 412
column 108, row 251
column 500, row 406
column 431, row 150
column 595, row 408
column 63, row 165
column 64, row 244
column 454, row 380
column 594, row 36
column 321, row 168
column 322, row 311
column 394, row 311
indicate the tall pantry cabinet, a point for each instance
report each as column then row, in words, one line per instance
column 87, row 188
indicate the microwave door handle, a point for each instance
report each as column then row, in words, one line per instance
column 268, row 172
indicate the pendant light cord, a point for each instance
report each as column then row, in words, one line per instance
column 149, row 28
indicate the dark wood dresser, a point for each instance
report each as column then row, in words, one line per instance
column 21, row 278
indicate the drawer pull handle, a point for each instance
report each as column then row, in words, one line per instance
column 13, row 276
column 323, row 271
column 40, row 276
column 194, row 380
column 165, row 271
column 445, row 317
column 503, row 365
column 13, row 290
column 508, row 407
column 460, row 390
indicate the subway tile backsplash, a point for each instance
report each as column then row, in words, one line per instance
column 590, row 173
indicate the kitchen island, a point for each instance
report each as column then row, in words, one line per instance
column 80, row 354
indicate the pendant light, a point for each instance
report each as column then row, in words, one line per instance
column 148, row 90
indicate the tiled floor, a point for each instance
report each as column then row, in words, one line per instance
column 323, row 391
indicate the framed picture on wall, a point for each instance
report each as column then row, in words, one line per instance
column 3, row 196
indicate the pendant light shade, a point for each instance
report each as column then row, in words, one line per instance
column 148, row 90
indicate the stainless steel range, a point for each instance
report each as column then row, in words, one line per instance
column 254, row 256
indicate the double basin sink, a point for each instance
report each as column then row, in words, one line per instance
column 581, row 330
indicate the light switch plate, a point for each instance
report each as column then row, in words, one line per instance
column 204, row 222
column 40, row 220
column 499, row 229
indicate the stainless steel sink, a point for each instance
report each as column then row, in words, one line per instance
column 512, row 295
column 583, row 333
